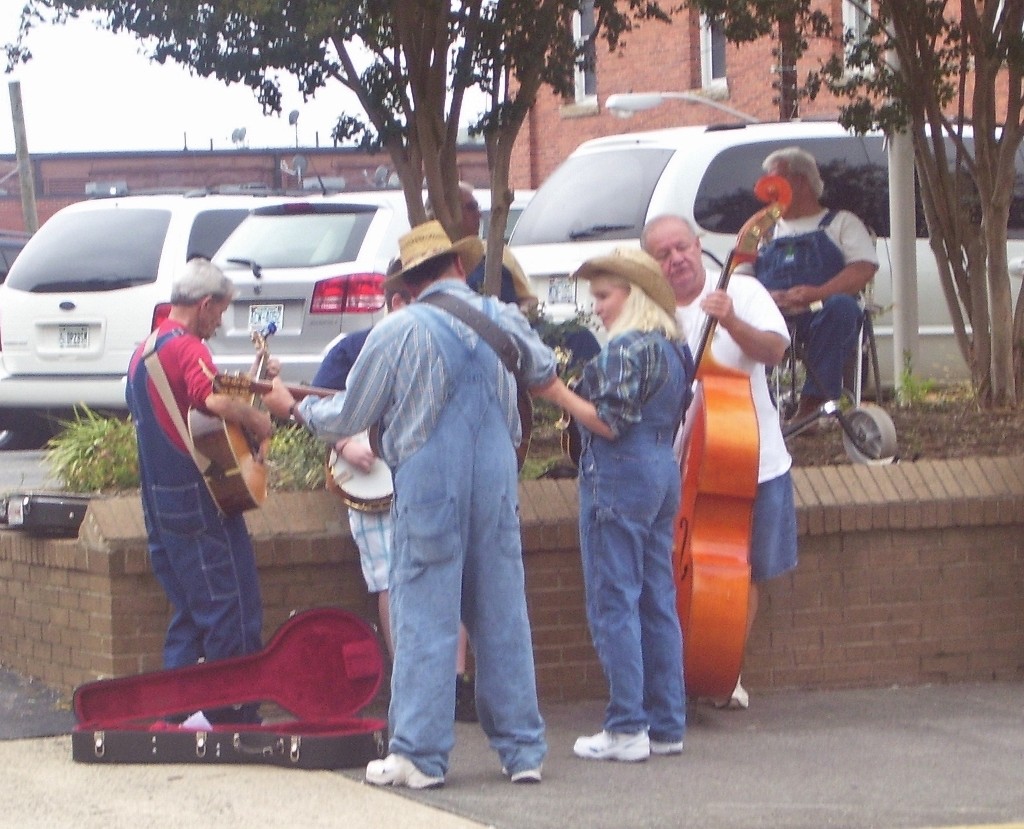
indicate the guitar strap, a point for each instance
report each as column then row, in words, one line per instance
column 490, row 332
column 163, row 387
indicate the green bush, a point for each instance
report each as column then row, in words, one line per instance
column 98, row 453
column 94, row 453
column 296, row 460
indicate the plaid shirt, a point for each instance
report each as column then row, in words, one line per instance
column 624, row 376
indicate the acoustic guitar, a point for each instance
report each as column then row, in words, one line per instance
column 721, row 453
column 236, row 474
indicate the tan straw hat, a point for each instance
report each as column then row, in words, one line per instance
column 428, row 241
column 636, row 267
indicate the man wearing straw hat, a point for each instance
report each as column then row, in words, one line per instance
column 446, row 406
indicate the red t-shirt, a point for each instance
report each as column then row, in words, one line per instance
column 188, row 364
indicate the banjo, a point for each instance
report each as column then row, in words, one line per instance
column 364, row 491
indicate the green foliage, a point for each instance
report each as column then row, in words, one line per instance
column 296, row 460
column 93, row 453
column 912, row 390
column 97, row 453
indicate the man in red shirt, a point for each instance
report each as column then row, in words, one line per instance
column 202, row 557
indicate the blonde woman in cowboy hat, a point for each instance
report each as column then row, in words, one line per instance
column 450, row 425
column 629, row 403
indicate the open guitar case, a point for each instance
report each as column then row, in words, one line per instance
column 321, row 667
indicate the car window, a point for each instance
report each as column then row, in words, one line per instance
column 298, row 236
column 211, row 228
column 855, row 170
column 593, row 196
column 96, row 250
column 9, row 250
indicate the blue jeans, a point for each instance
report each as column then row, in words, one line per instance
column 828, row 338
column 458, row 554
column 629, row 496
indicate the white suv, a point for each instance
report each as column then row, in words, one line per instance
column 91, row 283
column 607, row 189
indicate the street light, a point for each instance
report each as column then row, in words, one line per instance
column 624, row 104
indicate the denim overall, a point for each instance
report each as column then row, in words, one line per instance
column 203, row 559
column 828, row 336
column 629, row 496
column 457, row 552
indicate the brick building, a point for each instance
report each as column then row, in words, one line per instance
column 688, row 55
column 63, row 178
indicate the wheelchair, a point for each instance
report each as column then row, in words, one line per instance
column 869, row 435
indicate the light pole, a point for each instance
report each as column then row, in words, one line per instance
column 624, row 104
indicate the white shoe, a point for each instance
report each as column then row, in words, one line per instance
column 524, row 775
column 396, row 770
column 739, row 699
column 663, row 749
column 627, row 748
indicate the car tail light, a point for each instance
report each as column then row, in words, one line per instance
column 160, row 313
column 358, row 293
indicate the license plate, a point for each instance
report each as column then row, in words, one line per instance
column 15, row 511
column 261, row 316
column 73, row 336
column 561, row 290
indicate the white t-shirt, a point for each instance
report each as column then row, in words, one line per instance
column 753, row 305
column 846, row 230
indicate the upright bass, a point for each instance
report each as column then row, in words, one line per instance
column 711, row 554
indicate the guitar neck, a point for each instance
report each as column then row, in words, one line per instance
column 297, row 391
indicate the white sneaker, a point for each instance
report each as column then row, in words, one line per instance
column 628, row 748
column 739, row 699
column 524, row 775
column 663, row 749
column 396, row 770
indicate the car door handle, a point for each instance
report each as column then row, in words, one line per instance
column 1016, row 267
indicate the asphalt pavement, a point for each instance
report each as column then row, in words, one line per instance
column 915, row 757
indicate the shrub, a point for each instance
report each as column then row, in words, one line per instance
column 98, row 453
column 94, row 453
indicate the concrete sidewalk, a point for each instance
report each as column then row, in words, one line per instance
column 929, row 756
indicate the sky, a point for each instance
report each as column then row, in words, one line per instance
column 87, row 90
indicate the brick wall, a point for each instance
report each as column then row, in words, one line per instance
column 910, row 573
column 61, row 178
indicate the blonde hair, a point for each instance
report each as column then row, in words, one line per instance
column 640, row 312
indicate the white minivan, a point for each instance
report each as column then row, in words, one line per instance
column 605, row 191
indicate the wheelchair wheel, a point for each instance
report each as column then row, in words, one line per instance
column 869, row 435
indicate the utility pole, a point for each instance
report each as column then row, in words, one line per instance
column 786, row 85
column 28, row 189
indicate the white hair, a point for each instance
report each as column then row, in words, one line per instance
column 200, row 278
column 798, row 162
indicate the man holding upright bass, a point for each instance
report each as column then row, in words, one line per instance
column 750, row 334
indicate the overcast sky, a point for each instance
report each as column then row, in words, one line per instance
column 88, row 90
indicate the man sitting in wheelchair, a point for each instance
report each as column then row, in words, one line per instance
column 815, row 266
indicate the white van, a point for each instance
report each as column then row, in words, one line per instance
column 608, row 188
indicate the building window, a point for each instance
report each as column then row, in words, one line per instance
column 583, row 23
column 712, row 53
column 856, row 17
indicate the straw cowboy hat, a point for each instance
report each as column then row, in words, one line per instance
column 637, row 268
column 428, row 241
